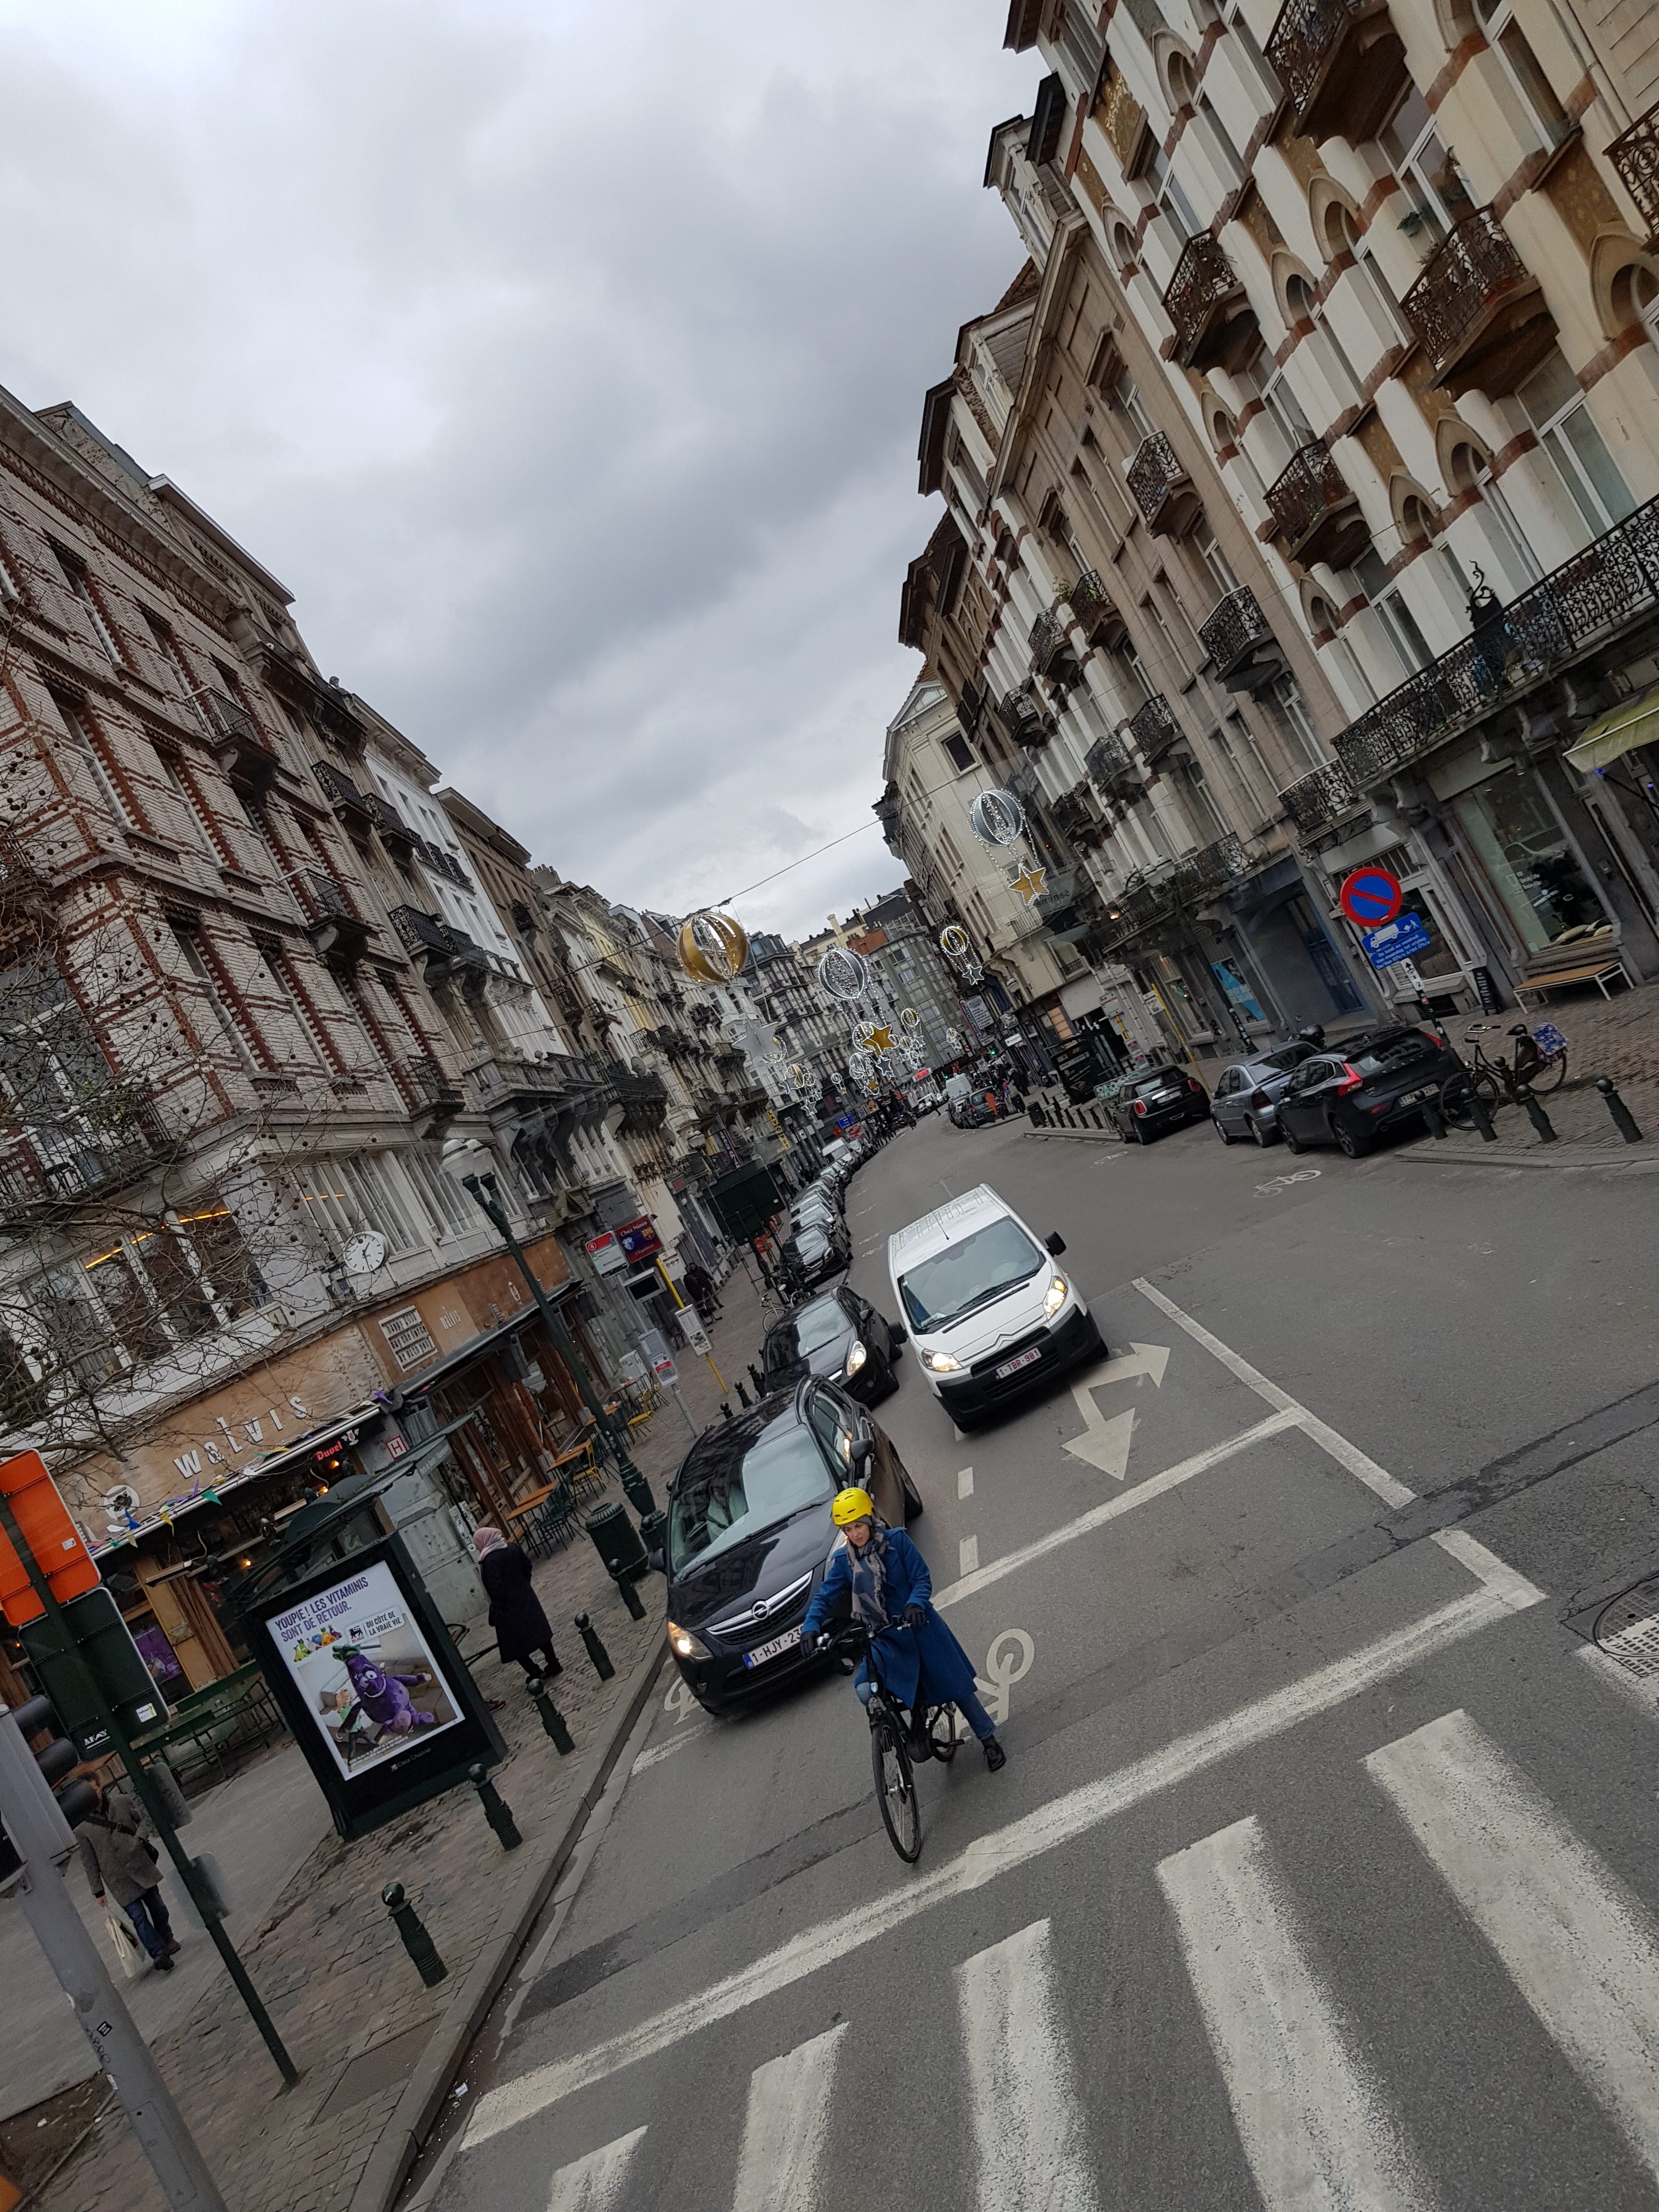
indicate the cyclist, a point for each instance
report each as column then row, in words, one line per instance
column 921, row 1662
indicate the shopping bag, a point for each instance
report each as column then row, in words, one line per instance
column 128, row 1948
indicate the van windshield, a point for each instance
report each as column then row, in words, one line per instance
column 968, row 1274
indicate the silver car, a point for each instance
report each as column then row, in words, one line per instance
column 1245, row 1100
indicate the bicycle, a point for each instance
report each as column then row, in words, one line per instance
column 889, row 1742
column 1540, row 1064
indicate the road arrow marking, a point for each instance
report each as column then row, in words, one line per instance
column 1105, row 1444
column 1140, row 1359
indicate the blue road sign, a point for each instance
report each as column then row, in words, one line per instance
column 1402, row 938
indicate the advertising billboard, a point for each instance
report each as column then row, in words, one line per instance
column 365, row 1672
column 639, row 1239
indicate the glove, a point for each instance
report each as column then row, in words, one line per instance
column 914, row 1615
column 822, row 1640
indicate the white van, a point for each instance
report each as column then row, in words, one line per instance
column 989, row 1313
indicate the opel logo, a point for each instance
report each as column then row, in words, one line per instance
column 762, row 1606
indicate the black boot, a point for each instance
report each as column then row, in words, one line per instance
column 995, row 1756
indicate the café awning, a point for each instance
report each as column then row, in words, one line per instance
column 1635, row 723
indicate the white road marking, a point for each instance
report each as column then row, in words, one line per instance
column 594, row 2183
column 1512, row 1589
column 1581, row 1947
column 1366, row 1470
column 1105, row 1444
column 1028, row 2120
column 1097, row 1515
column 1129, row 1366
column 968, row 1555
column 1313, row 2122
column 666, row 1750
column 965, row 1482
column 1636, row 1689
column 1007, row 1661
column 784, row 2128
column 1003, row 1851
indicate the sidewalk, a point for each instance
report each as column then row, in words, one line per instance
column 379, row 2049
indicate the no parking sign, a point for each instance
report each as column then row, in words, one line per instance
column 1371, row 896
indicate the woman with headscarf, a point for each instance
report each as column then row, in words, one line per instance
column 919, row 1660
column 522, row 1629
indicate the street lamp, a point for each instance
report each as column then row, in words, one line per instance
column 472, row 1165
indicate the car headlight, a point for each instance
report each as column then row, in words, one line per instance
column 1054, row 1297
column 941, row 1362
column 685, row 1644
column 856, row 1358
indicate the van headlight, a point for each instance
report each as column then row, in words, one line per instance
column 941, row 1362
column 685, row 1644
column 1055, row 1296
column 856, row 1358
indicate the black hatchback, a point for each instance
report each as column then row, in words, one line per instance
column 750, row 1535
column 837, row 1334
column 1376, row 1082
column 1162, row 1099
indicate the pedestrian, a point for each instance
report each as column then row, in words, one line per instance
column 122, row 1864
column 701, row 1284
column 521, row 1627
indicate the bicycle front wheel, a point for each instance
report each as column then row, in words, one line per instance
column 896, row 1790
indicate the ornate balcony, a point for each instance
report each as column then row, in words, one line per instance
column 425, row 1083
column 25, row 892
column 1588, row 600
column 1112, row 772
column 1160, row 902
column 1123, row 120
column 421, row 933
column 1244, row 651
column 1215, row 326
column 395, row 832
column 1025, row 720
column 1077, row 821
column 1635, row 154
column 1343, row 64
column 1315, row 507
column 1477, row 313
column 242, row 752
column 332, row 923
column 1094, row 608
column 1053, row 653
column 1316, row 801
column 340, row 792
column 88, row 1151
column 1155, row 729
column 1168, row 500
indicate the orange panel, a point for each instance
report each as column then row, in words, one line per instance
column 49, row 1534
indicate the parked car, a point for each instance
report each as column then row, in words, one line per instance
column 1375, row 1082
column 815, row 1204
column 1164, row 1098
column 816, row 1254
column 748, row 1535
column 840, row 1335
column 989, row 1314
column 1245, row 1100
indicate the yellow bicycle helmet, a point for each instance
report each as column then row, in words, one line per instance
column 853, row 1505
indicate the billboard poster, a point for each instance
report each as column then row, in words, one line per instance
column 363, row 1669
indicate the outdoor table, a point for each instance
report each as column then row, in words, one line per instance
column 210, row 1729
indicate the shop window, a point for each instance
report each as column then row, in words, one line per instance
column 1545, row 887
column 1436, row 195
column 228, row 1269
column 131, row 1312
column 1560, row 413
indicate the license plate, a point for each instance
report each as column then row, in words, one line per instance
column 1013, row 1366
column 762, row 1652
column 1416, row 1097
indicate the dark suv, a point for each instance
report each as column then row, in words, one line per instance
column 1375, row 1082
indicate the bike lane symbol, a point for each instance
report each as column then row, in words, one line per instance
column 1007, row 1661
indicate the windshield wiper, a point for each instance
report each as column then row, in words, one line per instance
column 985, row 1298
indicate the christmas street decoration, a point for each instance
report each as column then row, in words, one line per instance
column 713, row 947
column 861, row 1064
column 878, row 1037
column 844, row 974
column 996, row 818
column 953, row 941
column 1030, row 883
column 910, row 1018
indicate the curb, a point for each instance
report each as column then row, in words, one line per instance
column 418, row 2107
column 1084, row 1136
column 1546, row 1159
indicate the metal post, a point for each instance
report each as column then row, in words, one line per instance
column 149, row 1798
column 630, row 1597
column 496, row 1810
column 1539, row 1119
column 552, row 1719
column 42, row 1837
column 1479, row 1116
column 1623, row 1120
column 1433, row 1116
column 595, row 1649
column 416, row 1940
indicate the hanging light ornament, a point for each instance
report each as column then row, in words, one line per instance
column 996, row 818
column 910, row 1018
column 713, row 947
column 953, row 941
column 893, row 1063
column 860, row 1065
column 844, row 975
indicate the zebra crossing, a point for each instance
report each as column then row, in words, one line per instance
column 1319, row 2127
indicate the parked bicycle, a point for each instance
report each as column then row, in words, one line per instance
column 889, row 1745
column 1537, row 1063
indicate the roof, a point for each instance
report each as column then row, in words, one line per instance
column 917, row 1239
column 1023, row 18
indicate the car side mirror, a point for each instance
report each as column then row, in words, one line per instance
column 1055, row 1242
column 864, row 1450
column 900, row 1335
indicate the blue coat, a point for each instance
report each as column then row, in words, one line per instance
column 929, row 1658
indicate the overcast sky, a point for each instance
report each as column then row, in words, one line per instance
column 565, row 361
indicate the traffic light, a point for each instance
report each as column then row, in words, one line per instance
column 54, row 1800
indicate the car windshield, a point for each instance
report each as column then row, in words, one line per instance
column 717, row 1506
column 984, row 1265
column 809, row 1330
column 1291, row 1056
column 1165, row 1079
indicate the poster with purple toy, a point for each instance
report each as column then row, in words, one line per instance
column 364, row 1669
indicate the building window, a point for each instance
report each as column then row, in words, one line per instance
column 1399, row 623
column 1293, row 714
column 1437, row 197
column 91, row 748
column 1172, row 202
column 1533, row 866
column 959, row 753
column 9, row 593
column 80, row 582
column 1525, row 73
column 196, row 960
column 1559, row 412
column 304, row 1030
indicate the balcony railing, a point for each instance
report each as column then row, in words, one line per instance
column 1477, row 311
column 1025, row 720
column 1112, row 772
column 421, row 933
column 1343, row 64
column 1316, row 509
column 1242, row 646
column 338, row 788
column 1317, row 800
column 1190, row 881
column 110, row 1140
column 1635, row 154
column 1154, row 728
column 1094, row 607
column 1162, row 489
column 1051, row 650
column 1588, row 599
column 332, row 923
column 1123, row 120
column 425, row 1083
column 1215, row 326
column 245, row 757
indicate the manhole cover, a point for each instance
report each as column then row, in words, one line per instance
column 1628, row 1628
column 386, row 2067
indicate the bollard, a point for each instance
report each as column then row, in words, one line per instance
column 1479, row 1116
column 552, row 1719
column 595, row 1650
column 637, row 1490
column 1433, row 1116
column 496, row 1810
column 653, row 1534
column 630, row 1597
column 726, row 1409
column 755, row 1377
column 744, row 1398
column 1539, row 1119
column 1623, row 1120
column 1099, row 1124
column 418, row 1944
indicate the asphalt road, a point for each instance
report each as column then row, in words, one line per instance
column 1322, row 1872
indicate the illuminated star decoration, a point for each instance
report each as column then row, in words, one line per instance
column 877, row 1038
column 1030, row 883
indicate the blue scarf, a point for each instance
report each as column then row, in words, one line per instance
column 869, row 1578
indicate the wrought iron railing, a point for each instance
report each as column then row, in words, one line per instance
column 320, row 897
column 1049, row 639
column 338, row 788
column 421, row 1076
column 1635, row 154
column 230, row 718
column 93, row 1147
column 421, row 933
column 1192, row 881
column 1089, row 596
column 1123, row 120
column 18, row 872
column 1587, row 598
column 1204, row 277
column 1153, row 474
column 1305, row 35
column 1111, row 770
column 1312, row 488
column 1476, row 264
column 385, row 817
column 1024, row 719
column 1315, row 801
column 1154, row 728
column 1235, row 629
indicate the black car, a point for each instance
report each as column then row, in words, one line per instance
column 750, row 1535
column 838, row 1336
column 816, row 1254
column 1375, row 1082
column 1164, row 1098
